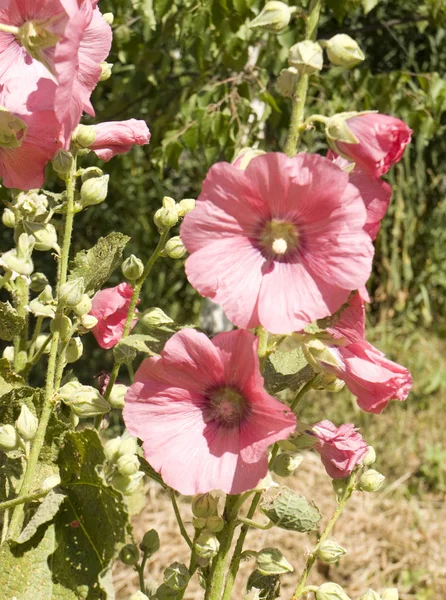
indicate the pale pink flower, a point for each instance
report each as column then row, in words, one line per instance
column 110, row 307
column 341, row 448
column 28, row 138
column 279, row 244
column 382, row 141
column 203, row 415
column 118, row 137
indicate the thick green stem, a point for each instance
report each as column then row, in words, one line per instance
column 21, row 340
column 17, row 517
column 301, row 90
column 262, row 350
column 23, row 500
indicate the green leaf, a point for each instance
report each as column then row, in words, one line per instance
column 11, row 323
column 286, row 370
column 97, row 264
column 269, row 99
column 46, row 511
column 290, row 511
column 151, row 343
column 268, row 586
column 8, row 379
column 369, row 5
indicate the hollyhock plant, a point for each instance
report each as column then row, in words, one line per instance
column 110, row 307
column 279, row 244
column 118, row 137
column 382, row 141
column 341, row 448
column 28, row 139
column 203, row 415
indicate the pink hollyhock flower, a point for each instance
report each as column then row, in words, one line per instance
column 118, row 137
column 382, row 141
column 28, row 138
column 341, row 448
column 279, row 244
column 203, row 415
column 110, row 307
column 368, row 374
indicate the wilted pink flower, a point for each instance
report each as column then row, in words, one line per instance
column 382, row 141
column 281, row 243
column 341, row 448
column 28, row 138
column 203, row 415
column 110, row 307
column 118, row 137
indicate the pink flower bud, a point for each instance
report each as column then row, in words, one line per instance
column 110, row 307
column 118, row 137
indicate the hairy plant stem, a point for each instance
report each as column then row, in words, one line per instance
column 176, row 510
column 21, row 340
column 36, row 357
column 23, row 500
column 301, row 89
column 262, row 350
column 17, row 516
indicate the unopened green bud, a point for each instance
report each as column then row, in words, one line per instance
column 83, row 136
column 108, row 18
column 389, row 594
column 88, row 321
column 38, row 282
column 9, row 439
column 331, row 591
column 207, row 544
column 343, row 51
column 274, row 17
column 214, row 524
column 370, row 481
column 330, row 552
column 175, row 248
column 287, row 80
column 111, row 449
column 71, row 292
column 340, row 486
column 50, row 482
column 199, row 522
column 42, row 305
column 128, row 445
column 271, row 561
column 306, row 57
column 168, row 202
column 11, row 261
column 8, row 353
column 40, row 341
column 8, row 218
column 44, row 234
column 154, row 317
column 91, row 173
column 285, row 464
column 337, row 130
column 370, row 595
column 165, row 218
column 128, row 464
column 63, row 163
column 138, row 595
column 185, row 206
column 127, row 484
column 84, row 306
column 27, row 423
column 85, row 402
column 94, row 190
column 129, row 554
column 319, row 356
column 106, row 71
column 204, row 505
column 370, row 457
column 176, row 576
column 74, row 350
column 132, row 268
column 150, row 542
column 63, row 325
column 117, row 395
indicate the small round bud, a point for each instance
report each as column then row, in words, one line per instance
column 132, row 268
column 117, row 395
column 63, row 325
column 44, row 234
column 40, row 341
column 331, row 591
column 94, row 191
column 63, row 163
column 343, row 51
column 370, row 457
column 165, row 218
column 9, row 439
column 111, row 449
column 91, row 173
column 106, row 71
column 71, row 292
column 83, row 307
column 150, row 542
column 138, row 595
column 274, row 17
column 128, row 445
column 108, row 18
column 306, row 57
column 154, row 317
column 11, row 261
column 27, row 423
column 50, row 482
column 175, row 248
column 370, row 595
column 214, row 524
column 83, row 136
column 330, row 552
column 185, row 206
column 287, row 80
column 169, row 202
column 85, row 401
column 337, row 130
column 88, row 321
column 285, row 463
column 38, row 282
column 128, row 464
column 271, row 561
column 8, row 353
column 207, row 544
column 389, row 594
column 340, row 487
column 8, row 218
column 129, row 554
column 176, row 576
column 370, row 481
column 74, row 350
column 127, row 484
column 204, row 505
column 199, row 522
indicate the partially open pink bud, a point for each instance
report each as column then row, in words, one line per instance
column 110, row 307
column 118, row 137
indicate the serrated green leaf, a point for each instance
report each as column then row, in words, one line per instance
column 46, row 511
column 11, row 403
column 8, row 379
column 97, row 264
column 286, row 370
column 267, row 586
column 288, row 510
column 11, row 323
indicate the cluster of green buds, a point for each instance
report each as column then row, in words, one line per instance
column 84, row 401
column 122, row 470
column 207, row 522
column 17, row 437
column 370, row 480
column 171, row 212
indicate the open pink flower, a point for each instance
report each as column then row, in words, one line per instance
column 382, row 141
column 28, row 139
column 110, row 307
column 203, row 415
column 341, row 448
column 118, row 137
column 281, row 243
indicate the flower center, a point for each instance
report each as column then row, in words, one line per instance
column 12, row 129
column 228, row 406
column 279, row 238
column 36, row 37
